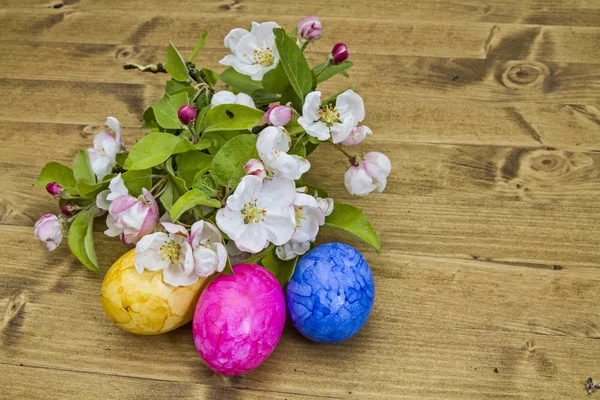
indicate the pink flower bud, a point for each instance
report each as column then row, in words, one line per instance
column 68, row 208
column 368, row 174
column 131, row 218
column 48, row 230
column 279, row 115
column 340, row 53
column 186, row 114
column 255, row 167
column 55, row 189
column 310, row 29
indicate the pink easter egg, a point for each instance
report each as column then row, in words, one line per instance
column 239, row 319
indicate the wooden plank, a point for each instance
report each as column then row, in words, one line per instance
column 502, row 203
column 490, row 80
column 440, row 328
column 549, row 12
column 415, row 38
column 21, row 381
column 410, row 119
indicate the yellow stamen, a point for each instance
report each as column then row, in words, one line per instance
column 263, row 57
column 170, row 250
column 329, row 114
column 252, row 214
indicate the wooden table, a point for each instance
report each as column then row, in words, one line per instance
column 488, row 285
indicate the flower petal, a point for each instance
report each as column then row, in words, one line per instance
column 222, row 97
column 247, row 191
column 251, row 238
column 233, row 38
column 278, row 192
column 350, row 103
column 339, row 132
column 148, row 254
column 244, row 100
column 317, row 129
column 279, row 223
column 230, row 221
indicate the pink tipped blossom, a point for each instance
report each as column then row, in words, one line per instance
column 255, row 167
column 369, row 174
column 55, row 189
column 186, row 114
column 340, row 53
column 279, row 115
column 49, row 230
column 131, row 218
column 310, row 28
column 357, row 135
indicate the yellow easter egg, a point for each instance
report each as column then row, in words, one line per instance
column 143, row 303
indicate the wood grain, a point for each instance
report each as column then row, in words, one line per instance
column 487, row 285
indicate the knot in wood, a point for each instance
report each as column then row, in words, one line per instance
column 524, row 74
column 125, row 53
column 549, row 162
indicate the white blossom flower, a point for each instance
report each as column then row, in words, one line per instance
column 368, row 175
column 116, row 188
column 132, row 218
column 290, row 250
column 309, row 216
column 357, row 135
column 325, row 204
column 227, row 97
column 329, row 121
column 103, row 156
column 170, row 252
column 48, row 230
column 253, row 53
column 210, row 255
column 258, row 213
column 273, row 144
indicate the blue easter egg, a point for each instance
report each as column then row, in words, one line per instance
column 331, row 293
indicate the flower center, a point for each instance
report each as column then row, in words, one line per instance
column 252, row 214
column 170, row 250
column 329, row 114
column 299, row 216
column 263, row 57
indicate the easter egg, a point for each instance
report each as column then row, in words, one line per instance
column 330, row 295
column 143, row 303
column 239, row 320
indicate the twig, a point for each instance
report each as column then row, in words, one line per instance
column 153, row 68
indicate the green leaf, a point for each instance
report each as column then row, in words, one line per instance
column 173, row 86
column 191, row 164
column 290, row 96
column 240, row 82
column 283, row 270
column 294, row 63
column 275, row 80
column 211, row 77
column 57, row 172
column 81, row 239
column 151, row 150
column 90, row 190
column 199, row 46
column 190, row 200
column 218, row 139
column 310, row 147
column 137, row 180
column 121, row 158
column 334, row 96
column 352, row 220
column 200, row 123
column 206, row 184
column 175, row 65
column 177, row 181
column 165, row 111
column 227, row 167
column 261, row 97
column 333, row 70
column 82, row 167
column 169, row 196
column 232, row 117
